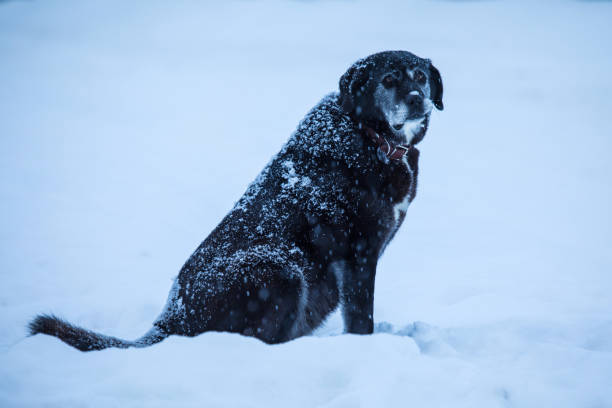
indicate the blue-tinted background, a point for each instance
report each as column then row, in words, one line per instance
column 129, row 129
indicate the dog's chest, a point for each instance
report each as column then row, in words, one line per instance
column 400, row 187
column 388, row 189
column 402, row 201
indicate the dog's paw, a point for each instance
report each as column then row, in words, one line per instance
column 430, row 339
column 384, row 327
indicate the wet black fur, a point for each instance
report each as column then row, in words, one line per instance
column 306, row 236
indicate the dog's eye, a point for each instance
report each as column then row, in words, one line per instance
column 419, row 77
column 388, row 81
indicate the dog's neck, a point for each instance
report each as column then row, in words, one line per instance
column 389, row 145
column 377, row 126
column 386, row 148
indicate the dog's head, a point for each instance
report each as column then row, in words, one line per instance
column 393, row 92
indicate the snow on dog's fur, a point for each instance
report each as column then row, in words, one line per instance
column 307, row 234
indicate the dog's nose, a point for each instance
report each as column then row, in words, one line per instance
column 415, row 101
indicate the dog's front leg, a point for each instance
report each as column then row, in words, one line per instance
column 358, row 298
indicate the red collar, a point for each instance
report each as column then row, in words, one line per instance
column 392, row 151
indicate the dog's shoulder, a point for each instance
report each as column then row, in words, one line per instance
column 313, row 167
column 327, row 133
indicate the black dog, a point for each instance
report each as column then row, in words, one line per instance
column 307, row 234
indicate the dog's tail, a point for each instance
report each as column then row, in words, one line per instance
column 86, row 340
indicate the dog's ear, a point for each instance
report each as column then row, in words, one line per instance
column 351, row 84
column 435, row 86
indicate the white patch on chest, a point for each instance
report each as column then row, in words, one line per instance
column 399, row 209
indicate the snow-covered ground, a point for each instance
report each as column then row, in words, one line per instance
column 129, row 128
